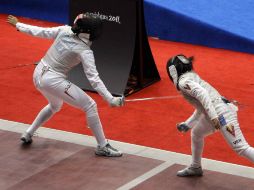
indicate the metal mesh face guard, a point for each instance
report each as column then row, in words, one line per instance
column 178, row 65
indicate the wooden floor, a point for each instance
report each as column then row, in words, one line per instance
column 210, row 181
column 53, row 165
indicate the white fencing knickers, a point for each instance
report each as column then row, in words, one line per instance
column 56, row 89
column 231, row 132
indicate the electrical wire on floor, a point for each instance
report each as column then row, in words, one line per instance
column 19, row 66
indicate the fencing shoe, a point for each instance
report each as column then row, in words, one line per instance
column 190, row 171
column 108, row 151
column 26, row 138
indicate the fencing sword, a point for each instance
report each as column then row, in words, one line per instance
column 236, row 103
column 150, row 98
column 18, row 66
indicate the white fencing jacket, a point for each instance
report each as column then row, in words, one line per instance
column 67, row 51
column 200, row 94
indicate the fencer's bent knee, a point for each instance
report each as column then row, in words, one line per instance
column 55, row 108
column 240, row 150
column 92, row 107
column 195, row 135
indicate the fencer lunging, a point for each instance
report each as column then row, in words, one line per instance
column 71, row 47
column 213, row 113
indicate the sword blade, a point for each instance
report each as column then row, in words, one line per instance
column 151, row 98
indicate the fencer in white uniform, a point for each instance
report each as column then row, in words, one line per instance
column 212, row 113
column 70, row 48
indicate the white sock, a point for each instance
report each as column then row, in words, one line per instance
column 197, row 145
column 41, row 118
column 94, row 123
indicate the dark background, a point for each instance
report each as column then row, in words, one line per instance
column 114, row 50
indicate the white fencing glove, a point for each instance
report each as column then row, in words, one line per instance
column 117, row 101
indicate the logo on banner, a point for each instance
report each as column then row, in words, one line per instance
column 230, row 128
column 109, row 18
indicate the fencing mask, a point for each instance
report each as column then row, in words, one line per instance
column 178, row 65
column 87, row 23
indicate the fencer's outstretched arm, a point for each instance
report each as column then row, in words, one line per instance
column 50, row 33
column 88, row 62
column 199, row 93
